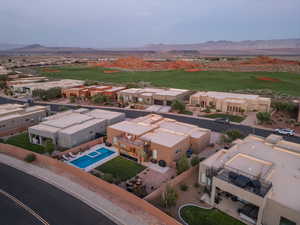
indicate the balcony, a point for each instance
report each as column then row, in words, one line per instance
column 245, row 181
column 134, row 142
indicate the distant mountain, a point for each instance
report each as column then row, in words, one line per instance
column 40, row 49
column 6, row 46
column 37, row 48
column 229, row 45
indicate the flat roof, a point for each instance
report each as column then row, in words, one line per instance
column 66, row 121
column 72, row 121
column 104, row 114
column 257, row 153
column 222, row 95
column 155, row 91
column 164, row 137
column 133, row 128
column 81, row 126
column 249, row 165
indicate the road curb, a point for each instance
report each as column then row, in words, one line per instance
column 62, row 188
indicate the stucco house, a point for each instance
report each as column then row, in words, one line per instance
column 257, row 180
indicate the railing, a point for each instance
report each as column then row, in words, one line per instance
column 262, row 190
column 138, row 143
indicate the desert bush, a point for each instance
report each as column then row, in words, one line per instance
column 30, row 158
column 184, row 187
column 182, row 164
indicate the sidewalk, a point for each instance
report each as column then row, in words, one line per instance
column 94, row 200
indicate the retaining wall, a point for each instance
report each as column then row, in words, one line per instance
column 82, row 147
column 174, row 182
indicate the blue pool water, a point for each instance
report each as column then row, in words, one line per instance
column 91, row 158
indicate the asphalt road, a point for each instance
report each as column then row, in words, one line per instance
column 201, row 122
column 49, row 204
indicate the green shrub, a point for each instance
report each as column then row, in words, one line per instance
column 178, row 106
column 196, row 185
column 263, row 117
column 30, row 158
column 195, row 161
column 72, row 99
column 99, row 99
column 232, row 135
column 207, row 110
column 45, row 95
column 169, row 197
column 184, row 187
column 182, row 165
column 49, row 146
column 90, row 82
column 284, row 106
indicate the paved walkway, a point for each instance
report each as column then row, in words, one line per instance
column 94, row 200
column 250, row 119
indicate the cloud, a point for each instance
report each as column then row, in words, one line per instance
column 109, row 23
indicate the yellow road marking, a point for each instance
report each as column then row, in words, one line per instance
column 22, row 205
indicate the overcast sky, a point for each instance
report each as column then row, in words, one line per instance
column 129, row 23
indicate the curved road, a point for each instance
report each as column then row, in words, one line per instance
column 26, row 200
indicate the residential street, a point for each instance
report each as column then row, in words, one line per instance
column 26, row 200
column 201, row 122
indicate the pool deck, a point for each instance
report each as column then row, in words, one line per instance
column 96, row 164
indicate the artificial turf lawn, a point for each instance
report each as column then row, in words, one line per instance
column 121, row 168
column 203, row 80
column 196, row 216
column 232, row 118
column 22, row 141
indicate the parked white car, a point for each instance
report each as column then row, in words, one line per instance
column 286, row 131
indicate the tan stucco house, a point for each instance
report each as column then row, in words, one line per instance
column 230, row 102
column 153, row 137
column 16, row 117
column 257, row 180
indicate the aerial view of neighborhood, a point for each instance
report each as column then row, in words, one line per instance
column 150, row 112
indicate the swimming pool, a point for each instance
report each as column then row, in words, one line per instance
column 93, row 158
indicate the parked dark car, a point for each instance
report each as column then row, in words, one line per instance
column 223, row 120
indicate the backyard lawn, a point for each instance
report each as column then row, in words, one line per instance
column 196, row 216
column 22, row 140
column 203, row 80
column 232, row 118
column 121, row 168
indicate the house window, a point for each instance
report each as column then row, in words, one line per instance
column 203, row 178
column 178, row 151
column 154, row 154
column 285, row 221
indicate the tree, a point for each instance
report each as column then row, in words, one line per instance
column 232, row 135
column 72, row 99
column 99, row 99
column 263, row 117
column 178, row 106
column 3, row 79
column 90, row 82
column 169, row 197
column 49, row 146
column 195, row 161
column 45, row 95
column 182, row 164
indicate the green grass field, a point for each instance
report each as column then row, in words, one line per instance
column 196, row 216
column 22, row 141
column 232, row 118
column 121, row 168
column 204, row 80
